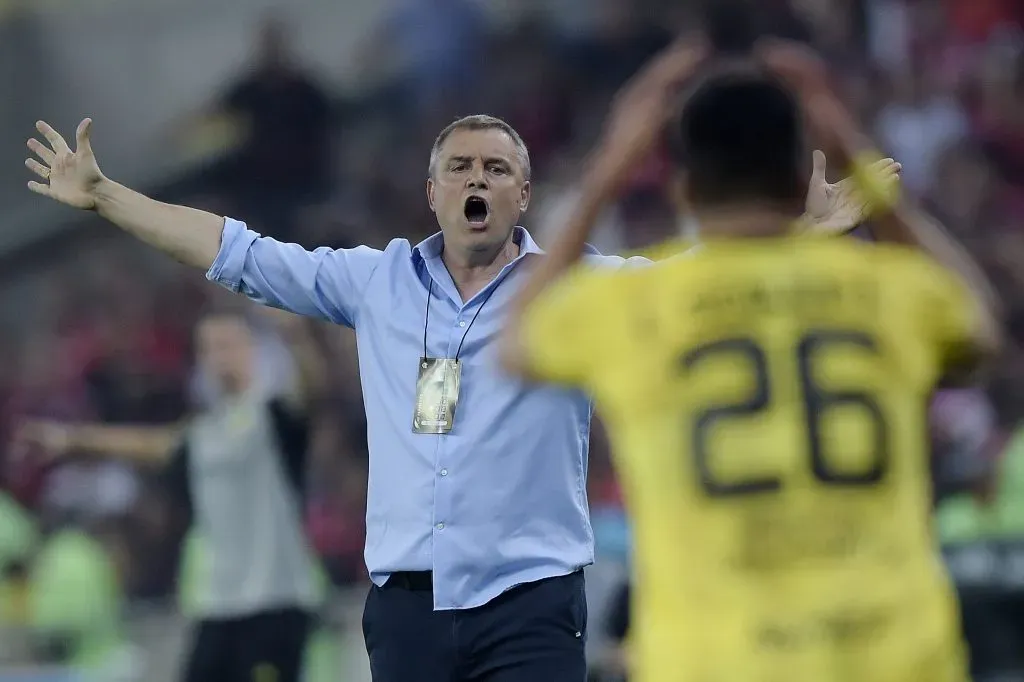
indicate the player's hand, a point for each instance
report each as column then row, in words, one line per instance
column 70, row 177
column 835, row 209
column 644, row 105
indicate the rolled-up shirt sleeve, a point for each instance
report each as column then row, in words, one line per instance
column 325, row 283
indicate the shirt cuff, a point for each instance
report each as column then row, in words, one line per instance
column 228, row 266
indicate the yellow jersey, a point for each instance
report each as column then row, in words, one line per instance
column 766, row 404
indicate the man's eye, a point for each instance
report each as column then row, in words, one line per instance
column 499, row 169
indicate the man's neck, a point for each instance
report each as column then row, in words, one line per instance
column 472, row 271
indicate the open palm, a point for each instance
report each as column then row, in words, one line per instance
column 69, row 177
column 835, row 209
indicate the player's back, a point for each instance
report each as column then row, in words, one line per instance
column 766, row 402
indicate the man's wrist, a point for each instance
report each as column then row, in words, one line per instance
column 105, row 194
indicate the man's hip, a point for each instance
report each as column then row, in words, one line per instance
column 533, row 631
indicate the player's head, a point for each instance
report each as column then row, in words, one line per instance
column 479, row 183
column 225, row 348
column 740, row 144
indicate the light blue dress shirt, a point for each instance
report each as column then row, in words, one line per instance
column 499, row 501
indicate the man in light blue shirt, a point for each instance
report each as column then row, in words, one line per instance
column 477, row 520
column 477, row 534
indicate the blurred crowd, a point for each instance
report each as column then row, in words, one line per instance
column 940, row 83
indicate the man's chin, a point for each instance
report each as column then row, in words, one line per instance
column 479, row 236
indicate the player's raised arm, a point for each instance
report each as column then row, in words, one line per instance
column 637, row 119
column 325, row 283
column 897, row 218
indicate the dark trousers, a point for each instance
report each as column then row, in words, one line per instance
column 532, row 633
column 264, row 647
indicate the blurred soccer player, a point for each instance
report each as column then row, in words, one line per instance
column 240, row 468
column 765, row 395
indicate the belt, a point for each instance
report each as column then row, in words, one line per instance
column 416, row 581
column 423, row 581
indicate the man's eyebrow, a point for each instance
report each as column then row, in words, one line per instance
column 460, row 159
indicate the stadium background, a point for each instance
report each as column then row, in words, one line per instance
column 97, row 327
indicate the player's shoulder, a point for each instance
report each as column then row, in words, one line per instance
column 595, row 270
column 609, row 280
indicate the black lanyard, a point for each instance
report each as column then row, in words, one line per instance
column 426, row 317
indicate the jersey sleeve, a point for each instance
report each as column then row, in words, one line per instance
column 566, row 328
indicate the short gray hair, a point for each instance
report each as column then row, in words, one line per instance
column 480, row 122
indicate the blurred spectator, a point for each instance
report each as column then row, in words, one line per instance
column 917, row 126
column 620, row 40
column 436, row 47
column 285, row 158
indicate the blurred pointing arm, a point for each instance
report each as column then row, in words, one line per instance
column 151, row 445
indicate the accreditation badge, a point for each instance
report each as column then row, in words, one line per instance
column 437, row 395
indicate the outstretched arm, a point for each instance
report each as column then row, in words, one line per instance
column 326, row 283
column 74, row 178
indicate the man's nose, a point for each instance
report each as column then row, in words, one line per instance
column 477, row 179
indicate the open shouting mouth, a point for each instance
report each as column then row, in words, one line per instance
column 476, row 211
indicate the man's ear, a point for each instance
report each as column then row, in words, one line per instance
column 430, row 193
column 524, row 199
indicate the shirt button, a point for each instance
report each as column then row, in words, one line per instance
column 444, row 472
column 462, row 323
column 440, row 526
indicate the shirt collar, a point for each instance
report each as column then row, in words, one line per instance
column 432, row 246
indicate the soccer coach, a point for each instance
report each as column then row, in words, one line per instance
column 477, row 519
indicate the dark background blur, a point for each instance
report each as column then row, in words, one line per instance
column 313, row 122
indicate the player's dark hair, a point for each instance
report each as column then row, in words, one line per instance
column 740, row 139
